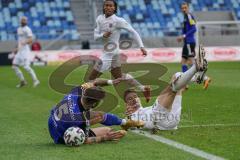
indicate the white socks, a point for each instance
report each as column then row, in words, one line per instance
column 184, row 79
column 124, row 122
column 18, row 73
column 31, row 72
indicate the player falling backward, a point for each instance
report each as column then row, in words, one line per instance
column 22, row 57
column 165, row 113
column 75, row 109
column 108, row 29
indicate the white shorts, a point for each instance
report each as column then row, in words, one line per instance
column 107, row 62
column 164, row 120
column 21, row 61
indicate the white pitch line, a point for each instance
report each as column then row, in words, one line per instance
column 210, row 125
column 180, row 146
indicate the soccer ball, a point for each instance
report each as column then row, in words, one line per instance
column 74, row 136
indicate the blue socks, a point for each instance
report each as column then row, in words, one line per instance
column 184, row 68
column 111, row 119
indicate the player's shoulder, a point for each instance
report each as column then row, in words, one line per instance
column 28, row 28
column 191, row 19
column 119, row 18
column 190, row 15
column 25, row 29
column 100, row 17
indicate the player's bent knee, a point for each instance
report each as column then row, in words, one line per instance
column 27, row 68
column 14, row 67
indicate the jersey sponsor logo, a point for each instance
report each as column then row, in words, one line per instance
column 164, row 55
column 191, row 20
column 71, row 105
column 225, row 53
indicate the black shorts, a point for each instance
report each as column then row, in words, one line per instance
column 188, row 50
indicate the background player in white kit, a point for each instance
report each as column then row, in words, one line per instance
column 165, row 113
column 108, row 30
column 22, row 57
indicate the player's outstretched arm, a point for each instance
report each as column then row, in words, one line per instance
column 110, row 136
column 123, row 24
column 29, row 39
column 103, row 82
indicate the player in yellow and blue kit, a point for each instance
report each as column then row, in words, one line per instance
column 188, row 37
column 75, row 110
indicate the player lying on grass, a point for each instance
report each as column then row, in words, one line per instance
column 108, row 30
column 74, row 110
column 165, row 113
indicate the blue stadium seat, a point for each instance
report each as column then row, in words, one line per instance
column 149, row 17
column 167, row 16
column 43, row 16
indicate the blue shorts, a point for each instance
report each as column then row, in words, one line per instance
column 54, row 133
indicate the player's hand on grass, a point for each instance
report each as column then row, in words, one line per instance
column 144, row 52
column 107, row 34
column 115, row 135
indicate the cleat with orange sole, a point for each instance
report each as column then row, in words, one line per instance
column 206, row 83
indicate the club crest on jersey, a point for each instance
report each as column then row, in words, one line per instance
column 110, row 25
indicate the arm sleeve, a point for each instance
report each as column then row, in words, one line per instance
column 192, row 23
column 123, row 24
column 29, row 32
column 97, row 33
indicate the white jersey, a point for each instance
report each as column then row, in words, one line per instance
column 158, row 117
column 113, row 24
column 23, row 34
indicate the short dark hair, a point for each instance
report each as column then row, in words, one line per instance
column 184, row 3
column 130, row 90
column 95, row 93
column 115, row 4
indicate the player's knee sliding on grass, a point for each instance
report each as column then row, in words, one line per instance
column 75, row 110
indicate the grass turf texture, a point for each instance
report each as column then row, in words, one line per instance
column 24, row 113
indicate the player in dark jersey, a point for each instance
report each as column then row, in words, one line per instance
column 188, row 37
column 75, row 110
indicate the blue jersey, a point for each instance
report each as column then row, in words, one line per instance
column 68, row 113
column 189, row 28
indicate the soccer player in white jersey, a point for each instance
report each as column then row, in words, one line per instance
column 108, row 30
column 22, row 57
column 165, row 113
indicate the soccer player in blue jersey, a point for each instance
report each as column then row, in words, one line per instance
column 188, row 37
column 75, row 110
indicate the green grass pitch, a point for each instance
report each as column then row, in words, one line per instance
column 24, row 113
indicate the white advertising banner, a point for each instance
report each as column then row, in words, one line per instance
column 155, row 55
